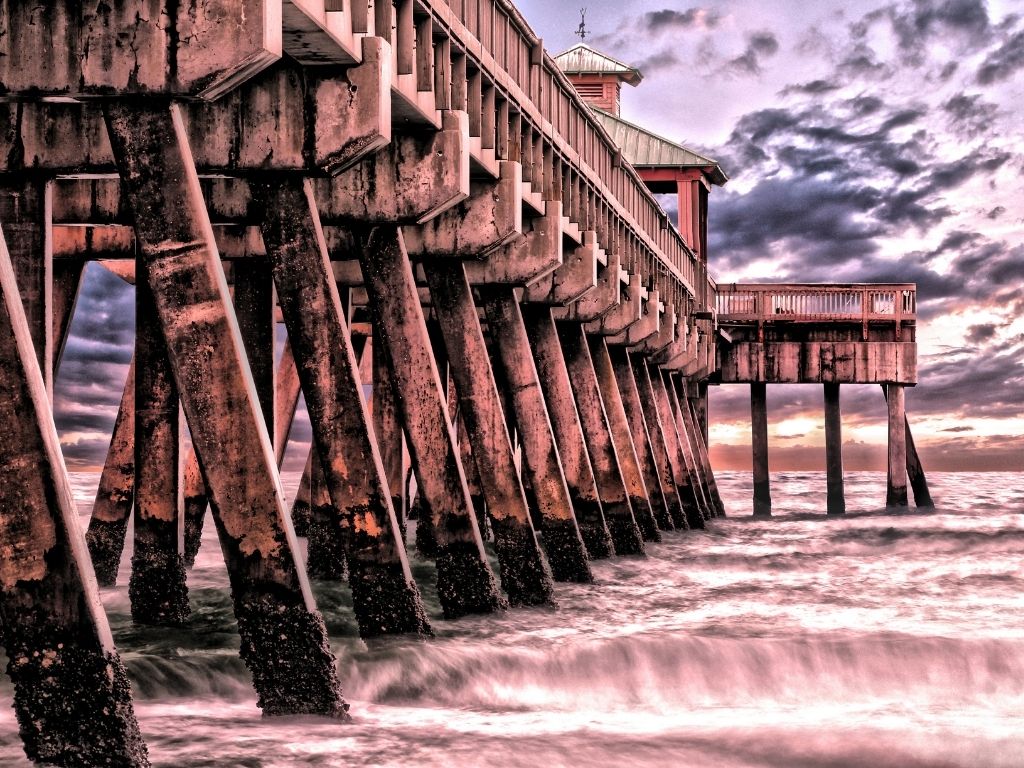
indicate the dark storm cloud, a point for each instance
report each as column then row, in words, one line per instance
column 813, row 87
column 977, row 334
column 969, row 115
column 1004, row 62
column 669, row 19
column 657, row 62
column 760, row 46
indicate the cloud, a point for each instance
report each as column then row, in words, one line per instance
column 1004, row 62
column 761, row 45
column 669, row 19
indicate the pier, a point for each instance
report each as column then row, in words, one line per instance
column 419, row 194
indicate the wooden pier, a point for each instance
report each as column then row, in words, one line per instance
column 418, row 193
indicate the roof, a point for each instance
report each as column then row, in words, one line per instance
column 581, row 59
column 648, row 150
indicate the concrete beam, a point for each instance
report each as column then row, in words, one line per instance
column 560, row 531
column 595, row 304
column 524, row 574
column 818, row 362
column 385, row 597
column 277, row 618
column 535, row 254
column 647, row 326
column 411, row 181
column 492, row 216
column 573, row 279
column 71, row 691
column 629, row 311
column 465, row 582
column 611, row 488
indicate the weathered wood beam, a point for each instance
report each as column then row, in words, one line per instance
column 611, row 488
column 560, row 531
column 72, row 697
column 568, row 432
column 385, row 597
column 465, row 583
column 524, row 574
column 276, row 614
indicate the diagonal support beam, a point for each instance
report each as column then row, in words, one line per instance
column 385, row 597
column 690, row 483
column 565, row 421
column 523, row 571
column 277, row 617
column 611, row 488
column 71, row 692
column 640, row 435
column 562, row 541
column 465, row 583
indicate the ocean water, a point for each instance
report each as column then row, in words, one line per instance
column 873, row 640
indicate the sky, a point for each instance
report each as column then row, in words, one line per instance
column 865, row 141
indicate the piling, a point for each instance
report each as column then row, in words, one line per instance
column 611, row 487
column 465, row 583
column 523, row 572
column 759, row 443
column 563, row 544
column 836, row 503
column 896, row 486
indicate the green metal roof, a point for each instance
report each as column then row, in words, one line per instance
column 644, row 149
column 581, row 59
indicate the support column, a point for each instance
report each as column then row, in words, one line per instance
column 67, row 282
column 561, row 535
column 638, row 432
column 836, row 504
column 625, row 450
column 658, row 440
column 694, row 439
column 915, row 470
column 687, row 491
column 302, row 505
column 71, row 692
column 465, row 583
column 523, row 572
column 385, row 597
column 388, row 431
column 759, row 443
column 26, row 215
column 565, row 421
column 691, row 461
column 277, row 617
column 701, row 451
column 157, row 587
column 611, row 488
column 116, row 492
column 896, row 491
column 325, row 546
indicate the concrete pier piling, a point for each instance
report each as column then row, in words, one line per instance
column 626, row 381
column 896, row 486
column 157, row 587
column 524, row 573
column 284, row 642
column 563, row 544
column 115, row 495
column 682, row 474
column 465, row 583
column 611, row 487
column 385, row 596
column 657, row 434
column 759, row 444
column 625, row 448
column 565, row 422
column 836, row 498
column 71, row 692
column 692, row 462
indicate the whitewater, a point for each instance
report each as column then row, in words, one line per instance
column 878, row 639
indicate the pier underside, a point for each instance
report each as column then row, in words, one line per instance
column 414, row 191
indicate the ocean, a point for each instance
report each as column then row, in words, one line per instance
column 878, row 639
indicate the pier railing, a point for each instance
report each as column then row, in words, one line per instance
column 836, row 302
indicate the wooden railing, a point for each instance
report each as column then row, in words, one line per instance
column 794, row 302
